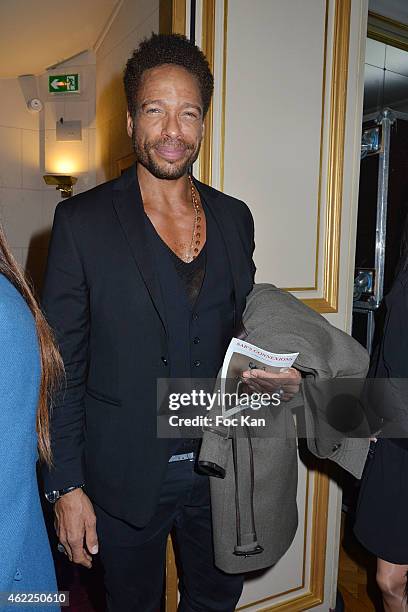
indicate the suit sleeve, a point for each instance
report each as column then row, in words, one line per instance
column 251, row 230
column 66, row 307
column 253, row 266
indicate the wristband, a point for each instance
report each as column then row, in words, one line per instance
column 53, row 496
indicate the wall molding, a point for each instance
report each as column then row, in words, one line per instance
column 334, row 194
column 314, row 596
column 208, row 47
column 327, row 302
column 172, row 16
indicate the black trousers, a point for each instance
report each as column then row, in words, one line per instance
column 134, row 559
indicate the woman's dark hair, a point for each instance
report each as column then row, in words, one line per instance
column 162, row 49
column 51, row 363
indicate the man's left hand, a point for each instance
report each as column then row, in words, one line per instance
column 286, row 382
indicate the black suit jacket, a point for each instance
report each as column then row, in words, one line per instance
column 102, row 298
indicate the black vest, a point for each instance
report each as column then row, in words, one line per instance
column 198, row 336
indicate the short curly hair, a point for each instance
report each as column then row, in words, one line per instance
column 162, row 49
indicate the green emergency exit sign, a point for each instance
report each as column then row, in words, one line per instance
column 63, row 83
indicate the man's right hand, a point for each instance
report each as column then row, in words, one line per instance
column 75, row 524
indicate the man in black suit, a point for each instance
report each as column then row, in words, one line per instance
column 146, row 278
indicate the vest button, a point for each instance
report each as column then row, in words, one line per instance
column 164, row 360
column 197, row 363
column 196, row 340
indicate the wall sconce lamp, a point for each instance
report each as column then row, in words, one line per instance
column 63, row 183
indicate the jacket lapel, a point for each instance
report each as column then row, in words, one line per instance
column 229, row 232
column 128, row 204
column 127, row 201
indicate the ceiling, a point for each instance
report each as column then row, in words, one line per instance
column 35, row 34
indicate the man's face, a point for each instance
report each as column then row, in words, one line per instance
column 168, row 125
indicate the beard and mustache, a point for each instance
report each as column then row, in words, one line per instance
column 170, row 170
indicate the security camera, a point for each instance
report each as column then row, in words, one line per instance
column 34, row 105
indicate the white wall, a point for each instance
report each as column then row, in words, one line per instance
column 22, row 209
column 29, row 149
column 135, row 21
column 274, row 150
column 76, row 158
column 28, row 146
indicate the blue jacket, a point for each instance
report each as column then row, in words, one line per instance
column 25, row 556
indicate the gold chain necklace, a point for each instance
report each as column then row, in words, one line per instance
column 196, row 236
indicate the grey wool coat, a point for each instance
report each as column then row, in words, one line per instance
column 253, row 475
